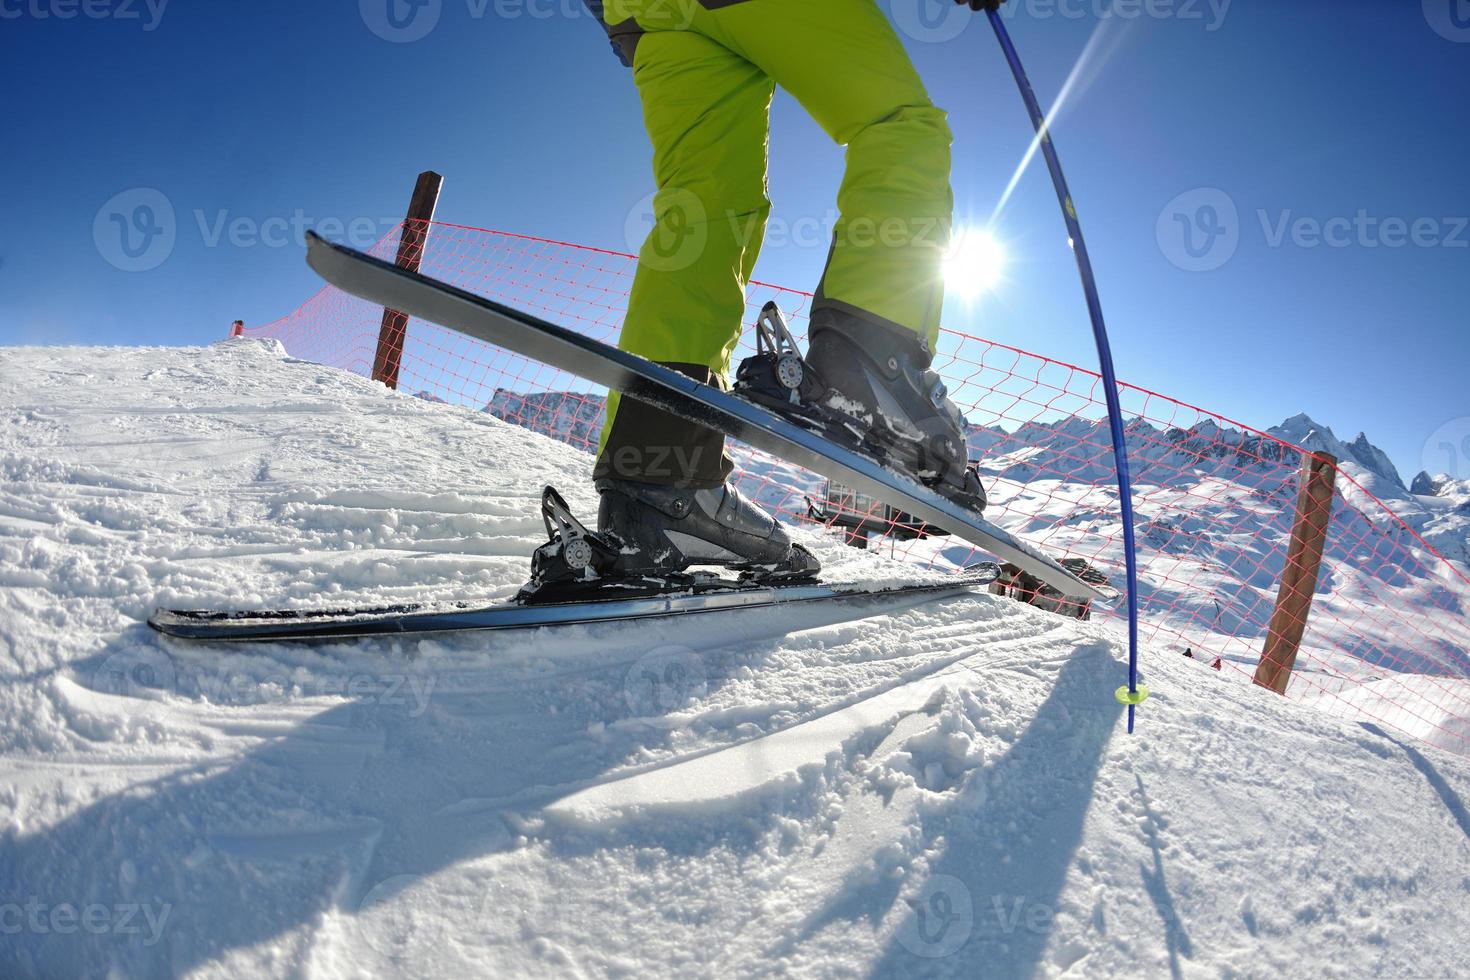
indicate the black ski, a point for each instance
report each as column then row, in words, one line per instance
column 613, row 603
column 421, row 296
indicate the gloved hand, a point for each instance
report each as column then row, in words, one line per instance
column 981, row 4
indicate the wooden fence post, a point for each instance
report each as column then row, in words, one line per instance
column 410, row 254
column 1299, row 579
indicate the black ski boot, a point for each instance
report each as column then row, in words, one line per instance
column 667, row 529
column 649, row 535
column 873, row 381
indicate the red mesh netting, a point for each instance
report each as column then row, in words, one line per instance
column 1386, row 639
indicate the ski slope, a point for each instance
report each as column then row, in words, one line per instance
column 943, row 790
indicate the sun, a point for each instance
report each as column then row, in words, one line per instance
column 974, row 262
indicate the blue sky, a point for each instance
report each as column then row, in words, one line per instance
column 1332, row 129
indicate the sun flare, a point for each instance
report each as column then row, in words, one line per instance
column 974, row 262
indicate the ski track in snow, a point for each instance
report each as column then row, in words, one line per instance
column 944, row 790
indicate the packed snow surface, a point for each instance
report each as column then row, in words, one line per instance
column 939, row 790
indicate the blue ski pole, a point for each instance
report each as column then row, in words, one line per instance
column 1132, row 695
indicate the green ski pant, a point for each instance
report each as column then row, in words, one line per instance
column 706, row 72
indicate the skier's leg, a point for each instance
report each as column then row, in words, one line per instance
column 875, row 319
column 707, row 113
column 842, row 60
column 662, row 479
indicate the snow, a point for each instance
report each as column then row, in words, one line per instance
column 939, row 790
column 1413, row 704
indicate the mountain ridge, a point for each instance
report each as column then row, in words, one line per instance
column 1435, row 507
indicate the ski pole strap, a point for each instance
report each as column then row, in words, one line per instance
column 1132, row 698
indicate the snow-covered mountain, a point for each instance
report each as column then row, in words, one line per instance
column 1376, row 470
column 940, row 791
column 1083, row 447
column 1077, row 446
column 1441, row 513
column 572, row 417
column 1078, row 451
column 1441, row 485
column 1436, row 507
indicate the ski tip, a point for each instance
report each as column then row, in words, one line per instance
column 169, row 622
column 318, row 248
column 326, row 258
